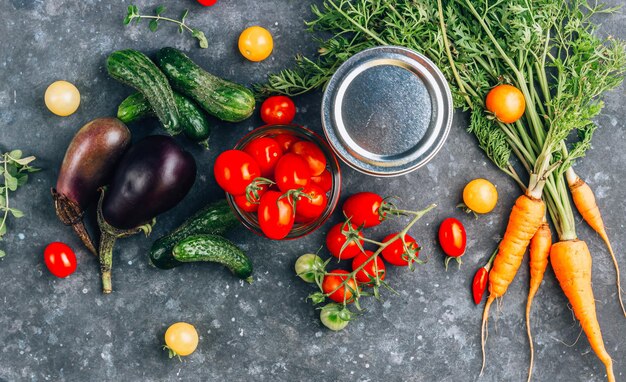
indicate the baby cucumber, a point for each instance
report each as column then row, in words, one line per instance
column 223, row 99
column 193, row 121
column 216, row 219
column 214, row 249
column 135, row 69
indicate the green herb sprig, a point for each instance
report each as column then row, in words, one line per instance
column 14, row 170
column 133, row 14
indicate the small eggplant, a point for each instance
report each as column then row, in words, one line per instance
column 151, row 178
column 88, row 165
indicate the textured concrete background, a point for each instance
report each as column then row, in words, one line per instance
column 52, row 329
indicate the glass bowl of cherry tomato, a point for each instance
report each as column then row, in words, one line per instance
column 291, row 178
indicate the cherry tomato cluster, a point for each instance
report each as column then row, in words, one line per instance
column 345, row 241
column 282, row 178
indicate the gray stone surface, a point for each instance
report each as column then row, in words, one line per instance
column 66, row 330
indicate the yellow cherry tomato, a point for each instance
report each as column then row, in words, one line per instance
column 506, row 102
column 62, row 98
column 256, row 43
column 480, row 196
column 181, row 339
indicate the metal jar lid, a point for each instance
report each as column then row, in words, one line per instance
column 387, row 111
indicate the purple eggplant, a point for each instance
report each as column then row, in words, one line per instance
column 153, row 176
column 88, row 165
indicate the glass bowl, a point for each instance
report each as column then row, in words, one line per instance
column 250, row 220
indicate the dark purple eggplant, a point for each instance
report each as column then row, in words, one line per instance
column 153, row 176
column 88, row 165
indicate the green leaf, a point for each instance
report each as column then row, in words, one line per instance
column 15, row 154
column 22, row 179
column 184, row 16
column 129, row 15
column 10, row 181
column 2, row 253
column 199, row 35
column 16, row 213
column 25, row 161
column 154, row 25
column 180, row 28
column 3, row 230
column 160, row 9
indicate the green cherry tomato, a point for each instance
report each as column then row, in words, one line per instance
column 308, row 265
column 335, row 316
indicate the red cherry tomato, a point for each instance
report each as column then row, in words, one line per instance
column 278, row 110
column 60, row 259
column 207, row 3
column 275, row 215
column 324, row 181
column 313, row 155
column 363, row 208
column 266, row 152
column 395, row 254
column 314, row 207
column 285, row 141
column 251, row 205
column 367, row 275
column 452, row 237
column 334, row 281
column 234, row 170
column 335, row 240
column 291, row 172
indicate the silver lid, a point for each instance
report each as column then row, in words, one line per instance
column 387, row 111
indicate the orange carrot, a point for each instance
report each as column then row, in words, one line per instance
column 585, row 202
column 571, row 262
column 526, row 217
column 539, row 253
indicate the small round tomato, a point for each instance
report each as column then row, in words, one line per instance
column 286, row 140
column 62, row 98
column 266, row 152
column 395, row 252
column 291, row 172
column 275, row 215
column 335, row 316
column 452, row 237
column 506, row 102
column 207, row 3
column 364, row 208
column 336, row 239
column 278, row 110
column 234, row 170
column 324, row 181
column 313, row 206
column 181, row 339
column 256, row 43
column 480, row 196
column 308, row 266
column 333, row 282
column 367, row 275
column 248, row 202
column 60, row 259
column 313, row 155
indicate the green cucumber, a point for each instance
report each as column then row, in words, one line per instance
column 193, row 121
column 217, row 218
column 223, row 99
column 215, row 249
column 135, row 69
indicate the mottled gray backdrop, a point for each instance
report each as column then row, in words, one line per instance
column 66, row 330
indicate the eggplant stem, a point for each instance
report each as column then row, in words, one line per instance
column 108, row 237
column 69, row 213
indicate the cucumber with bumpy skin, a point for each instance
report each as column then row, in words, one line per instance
column 193, row 121
column 223, row 99
column 135, row 69
column 214, row 249
column 216, row 219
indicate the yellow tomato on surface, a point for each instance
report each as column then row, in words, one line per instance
column 506, row 102
column 256, row 43
column 62, row 98
column 480, row 196
column 181, row 339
